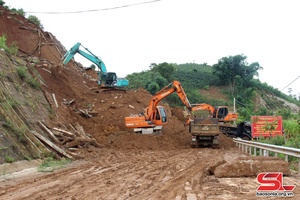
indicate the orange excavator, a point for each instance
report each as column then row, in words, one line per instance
column 220, row 112
column 155, row 116
column 225, row 119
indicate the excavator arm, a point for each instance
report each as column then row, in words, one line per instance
column 155, row 116
column 90, row 56
column 105, row 78
column 175, row 86
column 204, row 106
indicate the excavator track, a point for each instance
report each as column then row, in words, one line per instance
column 241, row 130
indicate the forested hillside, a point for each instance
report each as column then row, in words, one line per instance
column 232, row 78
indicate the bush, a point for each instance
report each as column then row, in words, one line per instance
column 22, row 72
column 9, row 159
column 35, row 20
column 13, row 49
column 19, row 11
column 3, row 39
column 33, row 82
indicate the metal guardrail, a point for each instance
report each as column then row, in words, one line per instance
column 264, row 149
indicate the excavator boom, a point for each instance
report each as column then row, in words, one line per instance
column 155, row 116
column 175, row 86
column 106, row 79
column 90, row 56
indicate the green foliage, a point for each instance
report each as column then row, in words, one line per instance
column 206, row 87
column 19, row 11
column 146, row 80
column 285, row 113
column 291, row 128
column 3, row 39
column 153, row 88
column 34, row 83
column 166, row 70
column 277, row 140
column 263, row 111
column 22, row 72
column 13, row 49
column 235, row 71
column 291, row 137
column 234, row 74
column 194, row 76
column 9, row 159
column 2, row 3
column 50, row 164
column 35, row 20
column 13, row 103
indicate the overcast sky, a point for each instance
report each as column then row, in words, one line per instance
column 129, row 38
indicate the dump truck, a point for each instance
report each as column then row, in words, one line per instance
column 205, row 132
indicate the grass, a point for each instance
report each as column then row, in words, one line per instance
column 50, row 164
column 13, row 49
column 9, row 159
column 34, row 83
column 22, row 72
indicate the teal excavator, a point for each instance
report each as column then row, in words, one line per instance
column 105, row 79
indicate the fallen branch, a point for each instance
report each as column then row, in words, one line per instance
column 51, row 145
column 85, row 113
column 67, row 133
column 52, row 136
column 54, row 99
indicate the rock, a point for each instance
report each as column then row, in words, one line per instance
column 251, row 167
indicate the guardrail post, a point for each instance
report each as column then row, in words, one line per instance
column 260, row 152
column 286, row 158
column 276, row 154
column 266, row 153
column 254, row 151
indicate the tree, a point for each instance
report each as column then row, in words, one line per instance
column 233, row 68
column 153, row 88
column 166, row 70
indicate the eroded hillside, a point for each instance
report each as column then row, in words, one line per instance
column 38, row 90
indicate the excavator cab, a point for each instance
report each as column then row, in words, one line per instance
column 161, row 115
column 221, row 112
column 107, row 79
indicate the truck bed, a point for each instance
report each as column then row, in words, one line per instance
column 204, row 127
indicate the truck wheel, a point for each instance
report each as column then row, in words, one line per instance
column 246, row 138
column 194, row 145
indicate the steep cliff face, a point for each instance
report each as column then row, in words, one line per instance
column 22, row 104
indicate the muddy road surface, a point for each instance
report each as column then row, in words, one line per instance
column 135, row 174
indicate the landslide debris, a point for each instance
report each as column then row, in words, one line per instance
column 53, row 96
